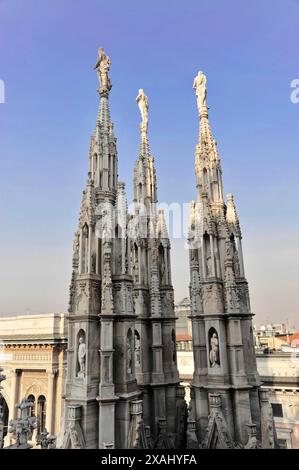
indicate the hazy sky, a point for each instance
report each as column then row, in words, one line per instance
column 249, row 52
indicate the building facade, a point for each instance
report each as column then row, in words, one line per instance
column 279, row 373
column 183, row 322
column 32, row 354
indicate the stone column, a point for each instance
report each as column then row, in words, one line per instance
column 89, row 249
column 123, row 254
column 213, row 256
column 92, row 167
column 169, row 266
column 106, row 397
column 203, row 260
column 267, row 421
column 240, row 253
column 145, row 267
column 217, row 257
column 97, row 253
column 220, row 184
column 50, row 403
column 80, row 251
column 15, row 382
column 166, row 265
column 139, row 264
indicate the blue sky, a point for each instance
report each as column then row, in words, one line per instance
column 249, row 52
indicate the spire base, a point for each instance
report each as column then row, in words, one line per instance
column 203, row 113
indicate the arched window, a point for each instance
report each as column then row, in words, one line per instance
column 32, row 399
column 41, row 415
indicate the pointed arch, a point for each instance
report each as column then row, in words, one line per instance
column 31, row 398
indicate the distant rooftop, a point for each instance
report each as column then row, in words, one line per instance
column 183, row 337
column 184, row 303
column 27, row 314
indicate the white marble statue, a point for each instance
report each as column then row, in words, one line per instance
column 214, row 352
column 200, row 86
column 142, row 101
column 129, row 357
column 137, row 350
column 103, row 67
column 81, row 355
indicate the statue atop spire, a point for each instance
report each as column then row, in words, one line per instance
column 200, row 87
column 142, row 101
column 103, row 67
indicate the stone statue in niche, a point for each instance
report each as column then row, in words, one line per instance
column 129, row 357
column 81, row 357
column 214, row 350
column 137, row 350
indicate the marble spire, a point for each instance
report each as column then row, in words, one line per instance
column 103, row 161
column 224, row 357
column 145, row 184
